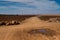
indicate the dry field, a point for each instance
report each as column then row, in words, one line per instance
column 31, row 28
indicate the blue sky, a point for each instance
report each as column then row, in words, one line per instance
column 29, row 7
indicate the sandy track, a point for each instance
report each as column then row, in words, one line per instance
column 19, row 32
column 16, row 33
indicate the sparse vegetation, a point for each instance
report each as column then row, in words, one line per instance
column 29, row 28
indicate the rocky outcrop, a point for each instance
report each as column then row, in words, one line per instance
column 54, row 20
column 9, row 23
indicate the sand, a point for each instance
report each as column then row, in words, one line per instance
column 20, row 32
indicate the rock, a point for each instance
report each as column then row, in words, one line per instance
column 2, row 23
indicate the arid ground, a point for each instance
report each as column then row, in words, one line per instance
column 33, row 27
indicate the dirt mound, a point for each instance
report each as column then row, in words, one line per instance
column 32, row 20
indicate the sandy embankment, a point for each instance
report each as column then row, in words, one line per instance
column 19, row 32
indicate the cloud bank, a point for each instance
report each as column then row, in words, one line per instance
column 30, row 7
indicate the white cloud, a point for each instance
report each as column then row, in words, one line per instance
column 46, row 5
column 21, row 0
column 43, row 6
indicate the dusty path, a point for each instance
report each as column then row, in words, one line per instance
column 19, row 32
